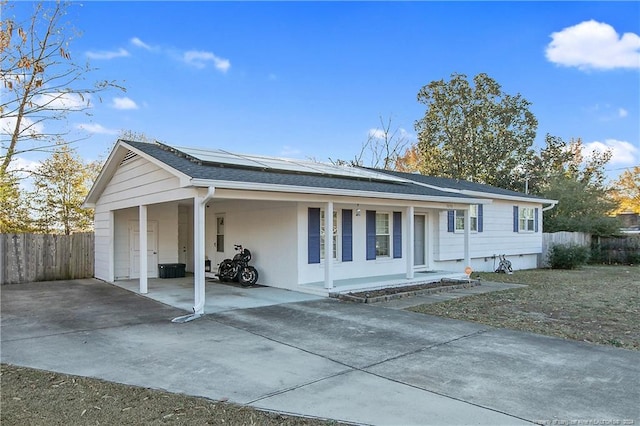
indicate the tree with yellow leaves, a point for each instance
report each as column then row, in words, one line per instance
column 626, row 191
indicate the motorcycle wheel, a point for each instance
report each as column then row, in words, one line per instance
column 228, row 270
column 248, row 276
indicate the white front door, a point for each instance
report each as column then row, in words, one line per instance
column 419, row 240
column 152, row 249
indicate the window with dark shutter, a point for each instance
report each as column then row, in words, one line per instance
column 314, row 235
column 347, row 236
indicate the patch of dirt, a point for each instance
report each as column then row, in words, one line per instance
column 35, row 397
column 596, row 304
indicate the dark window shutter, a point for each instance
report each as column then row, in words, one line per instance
column 535, row 218
column 451, row 221
column 314, row 235
column 515, row 218
column 397, row 235
column 371, row 234
column 347, row 236
column 480, row 215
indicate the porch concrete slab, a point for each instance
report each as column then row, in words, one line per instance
column 219, row 297
column 364, row 398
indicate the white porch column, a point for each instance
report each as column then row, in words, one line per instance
column 142, row 226
column 198, row 255
column 328, row 245
column 199, row 227
column 409, row 241
column 467, row 234
column 112, row 265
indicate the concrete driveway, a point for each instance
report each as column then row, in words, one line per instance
column 356, row 363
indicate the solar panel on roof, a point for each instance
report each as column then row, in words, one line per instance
column 284, row 164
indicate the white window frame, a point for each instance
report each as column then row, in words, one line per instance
column 336, row 223
column 384, row 235
column 458, row 218
column 526, row 219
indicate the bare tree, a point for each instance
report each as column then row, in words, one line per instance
column 40, row 81
column 382, row 150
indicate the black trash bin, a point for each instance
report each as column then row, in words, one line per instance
column 171, row 270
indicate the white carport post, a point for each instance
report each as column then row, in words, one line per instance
column 409, row 239
column 199, row 208
column 467, row 235
column 142, row 226
column 328, row 246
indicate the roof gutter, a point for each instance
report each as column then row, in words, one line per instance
column 336, row 192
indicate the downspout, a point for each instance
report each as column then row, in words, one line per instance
column 549, row 207
column 198, row 278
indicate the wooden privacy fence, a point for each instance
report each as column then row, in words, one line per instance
column 43, row 257
column 623, row 249
column 563, row 237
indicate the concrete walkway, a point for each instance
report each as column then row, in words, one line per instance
column 351, row 362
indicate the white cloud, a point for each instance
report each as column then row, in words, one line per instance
column 8, row 124
column 622, row 112
column 23, row 165
column 289, row 151
column 60, row 100
column 376, row 133
column 199, row 59
column 398, row 134
column 594, row 45
column 139, row 43
column 124, row 103
column 622, row 152
column 108, row 54
column 96, row 128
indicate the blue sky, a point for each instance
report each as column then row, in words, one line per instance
column 312, row 79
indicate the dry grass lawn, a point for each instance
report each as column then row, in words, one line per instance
column 597, row 304
column 35, row 397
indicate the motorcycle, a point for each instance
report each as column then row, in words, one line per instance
column 238, row 268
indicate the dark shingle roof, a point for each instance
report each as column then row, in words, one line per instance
column 457, row 184
column 210, row 171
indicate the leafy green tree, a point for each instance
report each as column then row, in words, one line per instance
column 562, row 171
column 61, row 183
column 477, row 133
column 581, row 208
column 41, row 82
column 14, row 208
